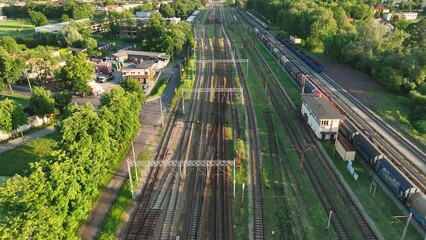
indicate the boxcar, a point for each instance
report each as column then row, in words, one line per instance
column 347, row 129
column 366, row 149
column 309, row 87
column 394, row 179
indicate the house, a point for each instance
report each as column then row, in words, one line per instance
column 295, row 40
column 144, row 14
column 143, row 71
column 172, row 20
column 321, row 115
column 57, row 26
column 160, row 59
column 407, row 15
column 380, row 9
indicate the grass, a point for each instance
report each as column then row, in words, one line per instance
column 22, row 100
column 15, row 27
column 312, row 218
column 17, row 160
column 159, row 87
column 380, row 208
column 394, row 110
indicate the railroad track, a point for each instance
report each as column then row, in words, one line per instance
column 409, row 159
column 254, row 160
column 277, row 101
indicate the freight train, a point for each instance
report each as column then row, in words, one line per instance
column 394, row 179
column 260, row 22
column 305, row 58
column 303, row 80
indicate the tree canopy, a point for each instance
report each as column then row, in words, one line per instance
column 58, row 192
column 11, row 116
column 42, row 102
column 76, row 74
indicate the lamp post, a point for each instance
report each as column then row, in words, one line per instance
column 28, row 80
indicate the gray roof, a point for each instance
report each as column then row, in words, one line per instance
column 322, row 108
column 141, row 53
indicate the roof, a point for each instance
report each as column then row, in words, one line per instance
column 190, row 19
column 380, row 7
column 142, row 65
column 141, row 53
column 57, row 26
column 394, row 173
column 322, row 108
column 346, row 144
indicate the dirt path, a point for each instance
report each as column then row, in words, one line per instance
column 358, row 83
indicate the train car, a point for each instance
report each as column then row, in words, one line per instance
column 347, row 129
column 310, row 87
column 265, row 40
column 299, row 78
column 394, row 179
column 294, row 71
column 311, row 63
column 367, row 149
column 288, row 66
column 416, row 204
column 276, row 52
column 283, row 60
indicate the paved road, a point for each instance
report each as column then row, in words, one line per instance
column 27, row 138
column 150, row 118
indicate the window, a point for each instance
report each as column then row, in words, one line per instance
column 324, row 122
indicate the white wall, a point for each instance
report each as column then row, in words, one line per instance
column 33, row 121
column 331, row 128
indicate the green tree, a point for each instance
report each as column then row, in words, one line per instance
column 9, row 44
column 11, row 69
column 133, row 86
column 74, row 76
column 65, row 18
column 153, row 33
column 121, row 109
column 38, row 18
column 42, row 102
column 11, row 116
column 71, row 35
column 62, row 100
column 81, row 11
column 166, row 11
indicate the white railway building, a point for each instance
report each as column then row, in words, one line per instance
column 321, row 115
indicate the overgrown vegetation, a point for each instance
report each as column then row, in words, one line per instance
column 52, row 199
column 394, row 57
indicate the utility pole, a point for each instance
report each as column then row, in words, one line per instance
column 406, row 226
column 304, row 148
column 161, row 110
column 28, row 80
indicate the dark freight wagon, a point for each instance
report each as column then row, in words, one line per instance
column 394, row 179
column 366, row 149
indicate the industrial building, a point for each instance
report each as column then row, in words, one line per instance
column 321, row 115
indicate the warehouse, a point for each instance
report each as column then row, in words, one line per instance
column 321, row 115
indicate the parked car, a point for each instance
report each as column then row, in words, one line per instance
column 101, row 78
